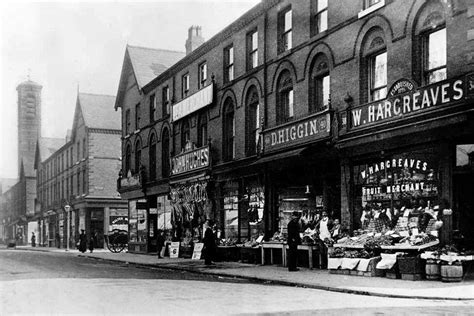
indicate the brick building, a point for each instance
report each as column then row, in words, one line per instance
column 308, row 106
column 81, row 174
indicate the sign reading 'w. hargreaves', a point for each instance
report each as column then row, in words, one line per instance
column 413, row 102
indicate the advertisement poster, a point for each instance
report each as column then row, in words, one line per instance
column 174, row 249
column 197, row 252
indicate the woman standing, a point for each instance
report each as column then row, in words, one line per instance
column 209, row 241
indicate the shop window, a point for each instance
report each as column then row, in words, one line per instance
column 128, row 158
column 152, row 106
column 138, row 156
column 393, row 192
column 163, row 205
column 319, row 85
column 465, row 155
column 137, row 221
column 202, row 75
column 152, row 157
column 320, row 18
column 185, row 133
column 285, row 98
column 434, row 52
column 202, row 130
column 229, row 63
column 166, row 101
column 229, row 131
column 251, row 217
column 285, row 27
column 253, row 121
column 231, row 213
column 252, row 50
column 165, row 153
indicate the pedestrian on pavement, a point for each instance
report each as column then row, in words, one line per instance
column 160, row 242
column 82, row 241
column 294, row 240
column 92, row 241
column 33, row 239
column 209, row 241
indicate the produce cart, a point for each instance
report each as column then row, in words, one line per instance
column 117, row 240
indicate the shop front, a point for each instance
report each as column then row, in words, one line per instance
column 301, row 175
column 190, row 201
column 405, row 164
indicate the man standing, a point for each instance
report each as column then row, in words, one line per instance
column 294, row 240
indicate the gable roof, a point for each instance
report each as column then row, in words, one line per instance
column 97, row 111
column 45, row 147
column 145, row 64
column 148, row 63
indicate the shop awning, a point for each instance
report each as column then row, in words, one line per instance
column 201, row 176
column 279, row 156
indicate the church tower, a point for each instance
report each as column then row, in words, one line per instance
column 29, row 124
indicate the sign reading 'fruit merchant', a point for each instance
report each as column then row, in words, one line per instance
column 414, row 101
column 190, row 161
column 307, row 130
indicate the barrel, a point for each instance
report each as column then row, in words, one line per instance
column 451, row 273
column 432, row 270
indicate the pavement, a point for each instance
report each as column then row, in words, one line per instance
column 273, row 274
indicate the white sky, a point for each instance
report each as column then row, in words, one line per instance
column 69, row 43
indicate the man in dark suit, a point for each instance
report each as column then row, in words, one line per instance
column 294, row 240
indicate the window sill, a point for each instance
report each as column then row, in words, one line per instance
column 371, row 9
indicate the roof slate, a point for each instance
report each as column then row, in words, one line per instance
column 98, row 111
column 148, row 63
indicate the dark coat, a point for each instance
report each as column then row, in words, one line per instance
column 210, row 246
column 82, row 242
column 294, row 238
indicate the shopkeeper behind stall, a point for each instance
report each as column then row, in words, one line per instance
column 325, row 227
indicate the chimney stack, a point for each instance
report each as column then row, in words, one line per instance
column 195, row 38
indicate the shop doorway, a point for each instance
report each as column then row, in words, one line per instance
column 464, row 206
column 463, row 197
column 152, row 232
column 97, row 227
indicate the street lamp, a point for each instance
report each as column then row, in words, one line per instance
column 67, row 208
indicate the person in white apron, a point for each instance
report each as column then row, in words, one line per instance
column 325, row 225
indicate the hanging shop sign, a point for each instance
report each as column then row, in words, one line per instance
column 130, row 180
column 412, row 101
column 303, row 131
column 190, row 161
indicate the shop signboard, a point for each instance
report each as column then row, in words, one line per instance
column 310, row 129
column 130, row 180
column 191, row 160
column 197, row 252
column 193, row 103
column 118, row 222
column 174, row 249
column 405, row 101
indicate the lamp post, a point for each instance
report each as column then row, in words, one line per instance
column 67, row 208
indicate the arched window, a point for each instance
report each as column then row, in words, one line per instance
column 138, row 156
column 165, row 153
column 229, row 131
column 374, row 66
column 152, row 157
column 285, row 106
column 128, row 159
column 430, row 44
column 185, row 133
column 253, row 121
column 319, row 82
column 202, row 130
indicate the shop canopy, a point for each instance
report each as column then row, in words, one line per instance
column 279, row 156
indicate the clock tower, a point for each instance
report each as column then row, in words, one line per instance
column 29, row 124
